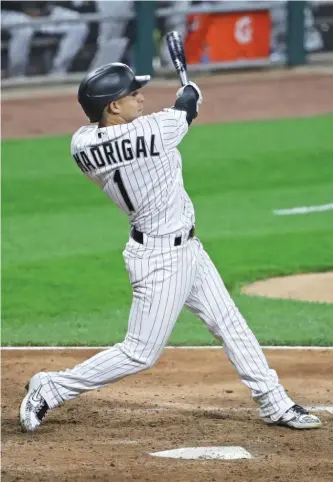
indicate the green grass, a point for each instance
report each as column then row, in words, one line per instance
column 64, row 281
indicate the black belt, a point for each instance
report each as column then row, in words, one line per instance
column 138, row 236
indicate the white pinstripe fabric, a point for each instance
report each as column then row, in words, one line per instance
column 154, row 183
column 163, row 280
column 211, row 302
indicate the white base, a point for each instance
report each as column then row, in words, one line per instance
column 204, row 453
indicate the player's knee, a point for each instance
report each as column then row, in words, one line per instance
column 24, row 33
column 144, row 360
column 146, row 363
column 81, row 31
column 150, row 362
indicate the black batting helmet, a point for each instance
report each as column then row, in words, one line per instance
column 106, row 84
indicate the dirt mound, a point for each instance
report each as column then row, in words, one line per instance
column 316, row 287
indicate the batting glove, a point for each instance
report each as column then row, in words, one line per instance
column 196, row 88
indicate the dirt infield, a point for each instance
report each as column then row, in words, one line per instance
column 191, row 398
column 315, row 287
column 186, row 400
column 226, row 98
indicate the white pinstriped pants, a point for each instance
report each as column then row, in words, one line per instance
column 164, row 280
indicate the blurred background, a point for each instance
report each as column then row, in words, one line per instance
column 262, row 143
column 57, row 39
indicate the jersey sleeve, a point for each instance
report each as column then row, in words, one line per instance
column 173, row 125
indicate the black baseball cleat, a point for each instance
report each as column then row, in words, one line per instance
column 296, row 417
column 33, row 407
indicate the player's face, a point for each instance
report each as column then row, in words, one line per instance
column 131, row 106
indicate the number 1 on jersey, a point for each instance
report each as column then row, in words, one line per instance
column 118, row 180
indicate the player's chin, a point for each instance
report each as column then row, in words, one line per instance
column 137, row 115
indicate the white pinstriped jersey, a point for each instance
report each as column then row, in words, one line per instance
column 139, row 167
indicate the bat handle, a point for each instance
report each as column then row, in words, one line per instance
column 183, row 77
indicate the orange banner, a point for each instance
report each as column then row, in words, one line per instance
column 222, row 37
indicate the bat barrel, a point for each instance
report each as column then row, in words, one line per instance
column 177, row 53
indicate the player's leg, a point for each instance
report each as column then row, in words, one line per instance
column 176, row 20
column 161, row 283
column 312, row 35
column 210, row 300
column 19, row 43
column 111, row 42
column 73, row 38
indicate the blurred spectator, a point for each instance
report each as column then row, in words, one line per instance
column 176, row 20
column 312, row 37
column 112, row 40
column 20, row 37
column 72, row 35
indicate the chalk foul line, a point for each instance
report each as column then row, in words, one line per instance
column 303, row 210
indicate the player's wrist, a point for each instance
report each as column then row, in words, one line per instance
column 191, row 88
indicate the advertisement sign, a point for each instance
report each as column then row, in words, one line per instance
column 226, row 37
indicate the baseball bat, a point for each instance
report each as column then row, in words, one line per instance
column 176, row 48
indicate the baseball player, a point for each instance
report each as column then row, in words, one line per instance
column 112, row 42
column 134, row 159
column 73, row 35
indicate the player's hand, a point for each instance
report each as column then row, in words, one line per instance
column 196, row 88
